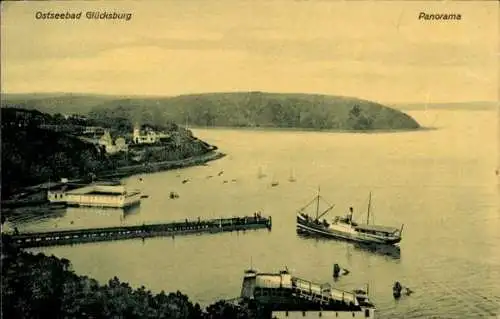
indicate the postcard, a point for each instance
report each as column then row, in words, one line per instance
column 250, row 159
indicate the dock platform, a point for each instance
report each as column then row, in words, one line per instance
column 171, row 229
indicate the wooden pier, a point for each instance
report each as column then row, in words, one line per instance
column 67, row 237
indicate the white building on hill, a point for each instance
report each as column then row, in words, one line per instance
column 147, row 136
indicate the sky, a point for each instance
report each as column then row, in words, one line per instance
column 375, row 50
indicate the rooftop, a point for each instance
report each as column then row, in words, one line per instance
column 285, row 280
column 109, row 190
column 92, row 189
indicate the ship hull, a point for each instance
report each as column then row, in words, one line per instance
column 342, row 232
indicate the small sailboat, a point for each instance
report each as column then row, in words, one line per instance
column 274, row 182
column 337, row 271
column 291, row 179
column 345, row 227
column 260, row 174
column 399, row 290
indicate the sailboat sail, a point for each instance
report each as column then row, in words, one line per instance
column 260, row 174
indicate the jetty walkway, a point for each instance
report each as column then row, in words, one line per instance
column 67, row 237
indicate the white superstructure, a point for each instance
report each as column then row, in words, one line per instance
column 287, row 296
column 96, row 195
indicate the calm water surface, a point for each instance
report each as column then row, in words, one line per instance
column 440, row 184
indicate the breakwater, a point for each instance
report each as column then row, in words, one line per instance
column 66, row 237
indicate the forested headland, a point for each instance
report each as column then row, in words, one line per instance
column 235, row 109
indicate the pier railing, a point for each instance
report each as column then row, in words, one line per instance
column 65, row 237
column 315, row 292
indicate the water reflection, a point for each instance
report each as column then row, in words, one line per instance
column 35, row 214
column 50, row 218
column 130, row 211
column 391, row 251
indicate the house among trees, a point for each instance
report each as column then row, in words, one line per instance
column 148, row 136
column 22, row 117
column 118, row 146
column 93, row 130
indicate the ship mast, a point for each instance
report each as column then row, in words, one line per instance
column 317, row 203
column 369, row 206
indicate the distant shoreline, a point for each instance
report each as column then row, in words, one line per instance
column 309, row 130
column 153, row 167
column 422, row 107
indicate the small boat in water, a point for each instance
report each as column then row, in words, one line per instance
column 274, row 182
column 173, row 195
column 344, row 227
column 337, row 271
column 398, row 290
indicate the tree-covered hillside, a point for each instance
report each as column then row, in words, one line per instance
column 240, row 109
column 39, row 147
column 257, row 109
column 32, row 155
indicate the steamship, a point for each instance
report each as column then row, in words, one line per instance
column 344, row 227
